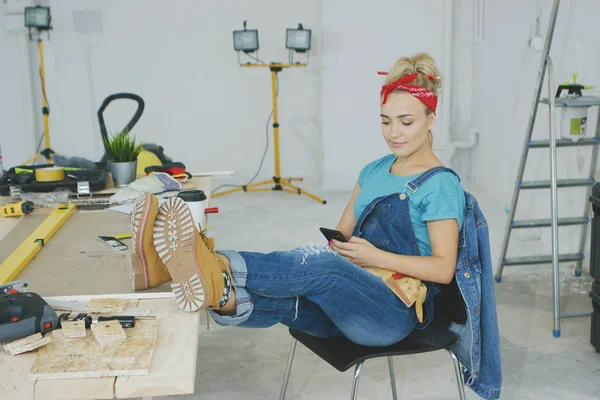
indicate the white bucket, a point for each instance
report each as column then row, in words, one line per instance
column 573, row 123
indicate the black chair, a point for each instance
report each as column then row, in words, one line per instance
column 342, row 354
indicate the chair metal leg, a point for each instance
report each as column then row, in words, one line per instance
column 354, row 394
column 393, row 378
column 288, row 369
column 459, row 379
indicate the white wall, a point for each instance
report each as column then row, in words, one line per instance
column 357, row 43
column 507, row 74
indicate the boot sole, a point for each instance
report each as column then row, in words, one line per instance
column 175, row 239
column 139, row 264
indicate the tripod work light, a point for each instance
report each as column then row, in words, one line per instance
column 297, row 40
column 39, row 18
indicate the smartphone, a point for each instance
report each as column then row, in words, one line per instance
column 333, row 234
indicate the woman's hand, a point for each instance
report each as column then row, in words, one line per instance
column 357, row 250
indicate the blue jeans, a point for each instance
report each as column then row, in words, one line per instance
column 315, row 290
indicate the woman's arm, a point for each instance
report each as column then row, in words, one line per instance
column 347, row 220
column 439, row 267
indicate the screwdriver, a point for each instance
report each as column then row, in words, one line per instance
column 17, row 209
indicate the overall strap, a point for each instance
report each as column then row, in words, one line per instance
column 412, row 186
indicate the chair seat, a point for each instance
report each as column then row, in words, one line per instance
column 342, row 354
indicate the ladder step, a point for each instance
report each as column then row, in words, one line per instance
column 541, row 259
column 533, row 144
column 561, row 183
column 547, row 222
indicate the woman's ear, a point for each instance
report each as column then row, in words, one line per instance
column 431, row 120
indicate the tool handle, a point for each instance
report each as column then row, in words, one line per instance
column 126, row 321
column 17, row 330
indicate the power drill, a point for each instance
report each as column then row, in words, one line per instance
column 24, row 314
column 17, row 209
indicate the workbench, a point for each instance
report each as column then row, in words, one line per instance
column 74, row 264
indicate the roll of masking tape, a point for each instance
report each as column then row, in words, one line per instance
column 50, row 174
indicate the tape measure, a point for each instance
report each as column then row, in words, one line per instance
column 50, row 174
column 17, row 209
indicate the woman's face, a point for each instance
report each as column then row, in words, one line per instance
column 404, row 124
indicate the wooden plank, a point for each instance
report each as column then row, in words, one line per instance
column 109, row 333
column 65, row 358
column 73, row 329
column 106, row 305
column 26, row 344
column 75, row 389
column 15, row 382
column 173, row 370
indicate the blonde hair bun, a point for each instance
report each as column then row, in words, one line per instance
column 424, row 65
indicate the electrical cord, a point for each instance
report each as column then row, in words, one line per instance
column 39, row 146
column 254, row 58
column 265, row 151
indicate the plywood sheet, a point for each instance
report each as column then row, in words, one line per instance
column 106, row 305
column 83, row 357
column 26, row 344
column 173, row 369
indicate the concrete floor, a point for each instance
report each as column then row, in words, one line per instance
column 236, row 363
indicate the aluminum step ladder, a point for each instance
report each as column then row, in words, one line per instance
column 554, row 183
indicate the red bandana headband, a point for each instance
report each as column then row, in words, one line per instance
column 427, row 97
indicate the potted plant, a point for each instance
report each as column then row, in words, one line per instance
column 122, row 151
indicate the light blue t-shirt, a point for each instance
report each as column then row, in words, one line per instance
column 440, row 197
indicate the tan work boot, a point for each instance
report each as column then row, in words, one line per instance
column 195, row 268
column 147, row 269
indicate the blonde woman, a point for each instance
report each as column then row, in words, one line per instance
column 405, row 219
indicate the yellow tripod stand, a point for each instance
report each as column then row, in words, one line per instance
column 281, row 184
column 47, row 152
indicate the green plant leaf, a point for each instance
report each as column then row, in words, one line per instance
column 122, row 147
